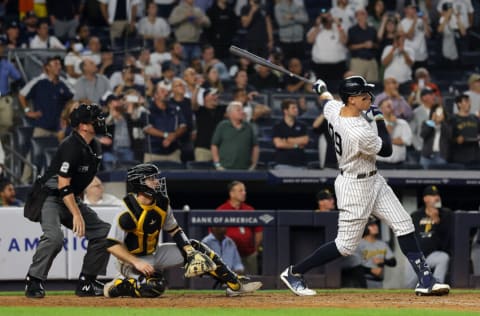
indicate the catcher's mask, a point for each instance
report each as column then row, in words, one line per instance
column 89, row 114
column 137, row 176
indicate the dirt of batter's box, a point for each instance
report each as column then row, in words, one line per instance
column 264, row 300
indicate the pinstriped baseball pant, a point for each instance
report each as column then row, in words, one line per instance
column 357, row 199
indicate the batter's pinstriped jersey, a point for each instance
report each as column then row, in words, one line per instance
column 356, row 142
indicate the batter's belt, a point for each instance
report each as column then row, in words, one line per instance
column 358, row 176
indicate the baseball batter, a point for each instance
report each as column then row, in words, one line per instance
column 360, row 190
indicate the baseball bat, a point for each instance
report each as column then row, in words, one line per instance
column 262, row 61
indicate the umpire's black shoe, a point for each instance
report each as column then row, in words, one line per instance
column 296, row 283
column 34, row 288
column 89, row 287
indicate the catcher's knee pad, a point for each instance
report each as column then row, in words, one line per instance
column 223, row 272
column 153, row 286
column 122, row 287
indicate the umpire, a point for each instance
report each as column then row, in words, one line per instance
column 55, row 199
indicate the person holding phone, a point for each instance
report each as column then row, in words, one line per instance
column 437, row 134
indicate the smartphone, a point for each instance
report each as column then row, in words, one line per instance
column 131, row 98
column 421, row 83
column 439, row 111
column 420, row 13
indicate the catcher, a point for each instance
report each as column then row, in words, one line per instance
column 133, row 240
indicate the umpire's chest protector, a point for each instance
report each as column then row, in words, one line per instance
column 143, row 224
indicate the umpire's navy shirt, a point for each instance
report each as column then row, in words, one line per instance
column 167, row 120
column 48, row 97
column 293, row 156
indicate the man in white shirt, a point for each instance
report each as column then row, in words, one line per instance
column 151, row 26
column 463, row 7
column 95, row 195
column 399, row 131
column 43, row 40
column 416, row 28
column 344, row 13
column 398, row 60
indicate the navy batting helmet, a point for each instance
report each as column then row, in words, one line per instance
column 355, row 85
column 137, row 175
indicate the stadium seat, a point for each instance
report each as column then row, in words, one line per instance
column 39, row 146
column 267, row 155
column 22, row 137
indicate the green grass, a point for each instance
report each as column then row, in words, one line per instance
column 127, row 311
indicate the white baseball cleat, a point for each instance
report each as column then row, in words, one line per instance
column 249, row 287
column 296, row 283
column 437, row 289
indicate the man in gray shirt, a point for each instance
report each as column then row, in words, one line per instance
column 91, row 85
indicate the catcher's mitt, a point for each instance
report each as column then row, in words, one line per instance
column 198, row 264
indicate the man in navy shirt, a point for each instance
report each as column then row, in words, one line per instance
column 49, row 93
column 7, row 71
column 165, row 125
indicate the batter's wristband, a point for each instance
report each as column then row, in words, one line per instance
column 65, row 191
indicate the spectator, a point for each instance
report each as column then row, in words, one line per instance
column 179, row 100
column 72, row 62
column 400, row 134
column 434, row 231
column 293, row 84
column 64, row 17
column 422, row 80
column 344, row 14
column 223, row 27
column 49, row 93
column 167, row 74
column 117, row 147
column 146, row 67
column 91, row 85
column 209, row 60
column 257, row 22
column 473, row 93
column 375, row 255
column 137, row 118
column 437, row 136
column 151, row 26
column 247, row 239
column 453, row 31
column 82, row 34
column 165, row 127
column 120, row 16
column 93, row 50
column 363, row 45
column 290, row 138
column 386, row 32
column 207, row 118
column 291, row 18
column 220, row 243
column 95, row 195
column 188, row 22
column 242, row 63
column 160, row 53
column 421, row 114
column 12, row 34
column 264, row 79
column 30, row 21
column 212, row 79
column 466, row 130
column 416, row 28
column 128, row 75
column 398, row 60
column 401, row 108
column 8, row 195
column 329, row 53
column 234, row 143
column 194, row 90
column 8, row 72
column 463, row 8
column 177, row 59
column 106, row 66
column 240, row 81
column 325, row 201
column 253, row 110
column 376, row 11
column 43, row 40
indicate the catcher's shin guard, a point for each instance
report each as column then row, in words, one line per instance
column 121, row 287
column 222, row 272
column 152, row 286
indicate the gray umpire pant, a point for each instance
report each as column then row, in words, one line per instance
column 438, row 262
column 55, row 214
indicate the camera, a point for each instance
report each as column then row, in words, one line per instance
column 447, row 6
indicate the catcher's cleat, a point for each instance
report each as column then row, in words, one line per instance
column 296, row 283
column 34, row 288
column 121, row 287
column 437, row 289
column 89, row 288
column 244, row 288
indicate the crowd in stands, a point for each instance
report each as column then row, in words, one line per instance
column 166, row 100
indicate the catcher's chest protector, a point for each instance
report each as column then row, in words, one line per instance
column 143, row 224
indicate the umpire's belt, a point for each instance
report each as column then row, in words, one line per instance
column 360, row 175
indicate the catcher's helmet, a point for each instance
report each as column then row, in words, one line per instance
column 137, row 175
column 355, row 85
column 89, row 114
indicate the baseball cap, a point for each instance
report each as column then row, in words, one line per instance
column 426, row 91
column 12, row 25
column 431, row 190
column 50, row 58
column 473, row 78
column 411, row 3
column 324, row 194
column 30, row 14
column 167, row 65
column 109, row 96
column 210, row 91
